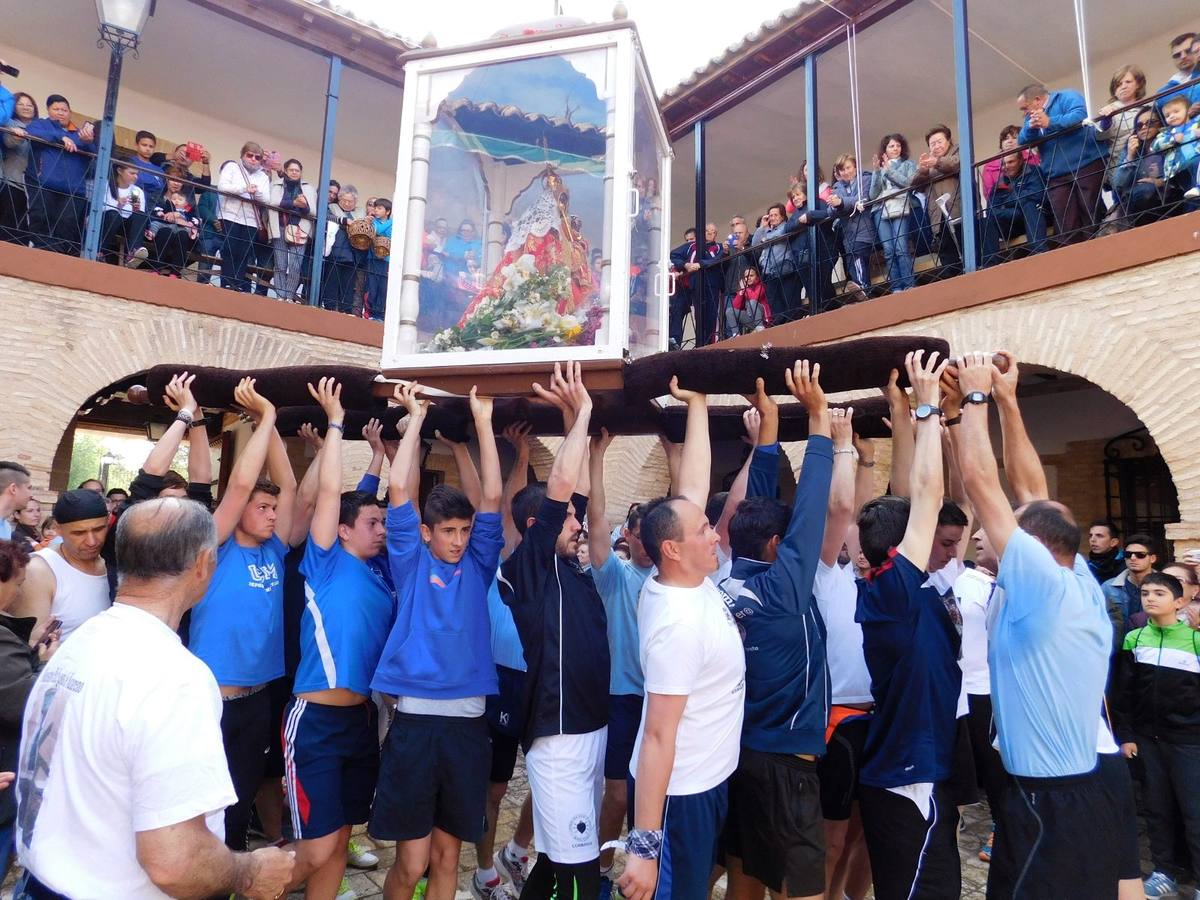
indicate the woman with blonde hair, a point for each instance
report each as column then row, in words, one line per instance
column 1115, row 120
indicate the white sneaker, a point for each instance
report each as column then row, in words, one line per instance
column 359, row 857
column 1192, row 193
column 494, row 891
column 345, row 892
column 511, row 868
column 137, row 257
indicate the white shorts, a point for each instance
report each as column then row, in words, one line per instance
column 566, row 779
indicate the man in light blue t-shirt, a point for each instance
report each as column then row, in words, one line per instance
column 1049, row 640
column 619, row 582
column 15, row 491
column 237, row 629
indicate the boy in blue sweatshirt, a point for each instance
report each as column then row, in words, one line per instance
column 437, row 663
column 775, row 828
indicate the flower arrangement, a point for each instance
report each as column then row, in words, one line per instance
column 524, row 313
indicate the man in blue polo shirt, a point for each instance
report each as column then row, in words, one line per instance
column 619, row 582
column 432, row 789
column 1049, row 640
column 237, row 629
column 911, row 640
column 331, row 746
column 774, row 833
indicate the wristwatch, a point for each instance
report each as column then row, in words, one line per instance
column 927, row 410
column 976, row 397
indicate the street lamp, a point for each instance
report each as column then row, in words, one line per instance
column 106, row 462
column 121, row 24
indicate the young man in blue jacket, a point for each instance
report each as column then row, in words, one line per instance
column 911, row 639
column 774, row 834
column 59, row 202
column 563, row 628
column 1072, row 159
column 437, row 663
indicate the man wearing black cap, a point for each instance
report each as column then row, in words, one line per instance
column 69, row 582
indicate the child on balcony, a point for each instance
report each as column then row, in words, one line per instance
column 377, row 261
column 1179, row 142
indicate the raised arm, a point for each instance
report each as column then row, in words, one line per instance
column 408, row 455
column 249, row 465
column 751, row 421
column 200, row 467
column 468, row 475
column 976, row 459
column 489, row 456
column 306, row 493
column 324, row 529
column 599, row 526
column 763, row 480
column 926, row 479
column 279, row 468
column 567, row 387
column 178, row 397
column 903, row 435
column 1021, row 462
column 673, row 452
column 372, row 433
column 840, row 512
column 695, row 462
column 517, row 435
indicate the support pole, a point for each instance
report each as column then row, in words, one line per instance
column 813, row 187
column 95, row 216
column 322, row 211
column 966, row 137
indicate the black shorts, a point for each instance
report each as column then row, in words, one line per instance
column 433, row 774
column 963, row 783
column 504, row 756
column 774, row 824
column 1057, row 837
column 912, row 855
column 505, row 723
column 280, row 691
column 1114, row 773
column 839, row 767
column 624, row 719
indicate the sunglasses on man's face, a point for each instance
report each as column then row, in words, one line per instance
column 1136, row 554
column 257, row 157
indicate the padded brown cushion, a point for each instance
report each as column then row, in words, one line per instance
column 845, row 366
column 285, row 386
column 725, row 422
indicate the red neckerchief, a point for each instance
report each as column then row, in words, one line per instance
column 874, row 573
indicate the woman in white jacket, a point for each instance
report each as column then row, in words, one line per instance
column 293, row 204
column 244, row 186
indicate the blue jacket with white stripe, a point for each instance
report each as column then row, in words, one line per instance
column 787, row 679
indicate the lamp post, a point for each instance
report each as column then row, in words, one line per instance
column 121, row 24
column 106, row 462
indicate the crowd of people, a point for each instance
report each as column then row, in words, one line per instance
column 803, row 696
column 252, row 228
column 1063, row 175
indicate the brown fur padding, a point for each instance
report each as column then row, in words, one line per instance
column 284, row 386
column 845, row 366
column 725, row 422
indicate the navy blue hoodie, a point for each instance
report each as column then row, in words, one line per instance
column 787, row 679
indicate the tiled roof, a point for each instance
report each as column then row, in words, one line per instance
column 346, row 13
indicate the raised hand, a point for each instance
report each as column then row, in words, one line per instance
column 752, row 422
column 408, row 396
column 601, row 442
column 179, row 394
column 683, row 394
column 1004, row 377
column 444, row 441
column 897, row 397
column 924, row 375
column 481, row 407
column 255, row 404
column 557, row 395
column 372, row 433
column 328, row 393
column 760, row 399
column 517, row 434
column 865, row 448
column 842, row 430
column 311, row 437
column 804, row 382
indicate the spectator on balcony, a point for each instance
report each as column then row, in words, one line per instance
column 806, row 221
column 850, row 192
column 777, row 263
column 378, row 259
column 294, row 201
column 184, row 160
column 342, row 261
column 1143, row 194
column 749, row 309
column 176, row 226
column 1015, row 207
column 61, row 159
column 1114, row 121
column 993, row 169
column 938, row 173
column 679, row 300
column 124, row 212
column 150, row 174
column 1072, row 158
column 243, row 184
column 14, row 203
column 463, row 250
column 7, row 101
column 1185, row 53
column 1178, row 143
column 890, row 183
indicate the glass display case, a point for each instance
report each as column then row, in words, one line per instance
column 530, row 194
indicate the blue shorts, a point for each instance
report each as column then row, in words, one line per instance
column 331, row 761
column 692, row 825
column 624, row 718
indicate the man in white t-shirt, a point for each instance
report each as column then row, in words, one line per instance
column 122, row 782
column 694, row 666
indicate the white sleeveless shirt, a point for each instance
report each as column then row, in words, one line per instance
column 77, row 595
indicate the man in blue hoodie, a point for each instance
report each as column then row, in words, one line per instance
column 1071, row 158
column 59, row 203
column 911, row 638
column 775, row 831
column 437, row 663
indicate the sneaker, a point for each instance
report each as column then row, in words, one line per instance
column 512, row 868
column 345, row 892
column 418, row 891
column 1192, row 193
column 985, row 852
column 493, row 890
column 1159, row 884
column 359, row 857
column 137, row 257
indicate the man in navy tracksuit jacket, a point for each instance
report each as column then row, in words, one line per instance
column 57, row 207
column 775, row 827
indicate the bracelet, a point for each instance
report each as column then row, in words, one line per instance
column 955, row 421
column 851, row 452
column 183, row 416
column 338, row 426
column 644, row 844
column 197, row 423
column 867, row 464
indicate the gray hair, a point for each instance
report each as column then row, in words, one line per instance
column 162, row 538
column 348, row 189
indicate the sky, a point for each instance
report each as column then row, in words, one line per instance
column 677, row 37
